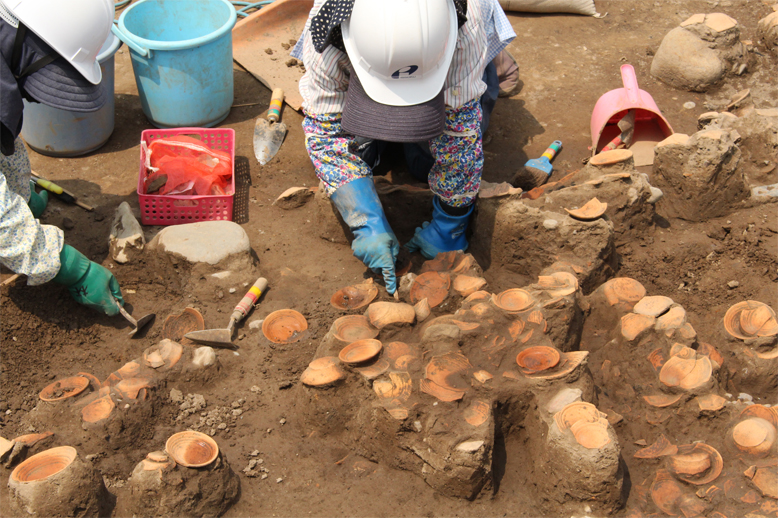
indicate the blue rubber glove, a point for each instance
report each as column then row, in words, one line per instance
column 374, row 242
column 38, row 201
column 445, row 233
column 89, row 283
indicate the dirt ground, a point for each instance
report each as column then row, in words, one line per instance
column 566, row 62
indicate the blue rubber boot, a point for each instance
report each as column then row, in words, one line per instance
column 446, row 233
column 374, row 241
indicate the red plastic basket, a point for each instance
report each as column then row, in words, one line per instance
column 157, row 209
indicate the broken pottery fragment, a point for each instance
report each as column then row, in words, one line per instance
column 537, row 358
column 634, row 325
column 284, row 326
column 465, row 285
column 653, row 306
column 591, row 210
column 754, row 436
column 360, row 351
column 322, row 371
column 513, row 300
column 382, row 314
column 691, row 461
column 660, row 448
column 749, row 319
column 432, row 286
column 662, row 400
column 356, row 296
column 126, row 239
column 477, row 413
column 178, row 324
column 294, row 197
column 64, row 388
column 623, row 291
column 710, row 402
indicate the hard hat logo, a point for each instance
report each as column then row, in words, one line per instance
column 405, row 72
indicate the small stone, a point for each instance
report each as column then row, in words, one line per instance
column 550, row 224
column 126, row 239
column 745, row 397
column 256, row 324
column 689, row 105
column 67, row 223
column 263, row 477
column 233, row 290
column 222, row 426
column 235, row 404
column 254, row 453
column 279, row 480
column 176, row 396
column 255, row 389
column 733, row 284
column 282, row 421
column 237, row 412
column 221, row 275
column 269, row 430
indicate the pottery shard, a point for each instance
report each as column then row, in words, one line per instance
column 767, row 29
column 720, row 22
column 634, row 325
column 294, row 197
column 653, row 306
column 660, row 448
column 382, row 314
column 466, row 285
column 126, row 239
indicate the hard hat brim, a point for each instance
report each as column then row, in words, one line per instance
column 365, row 117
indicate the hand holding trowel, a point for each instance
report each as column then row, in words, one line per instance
column 223, row 337
column 269, row 133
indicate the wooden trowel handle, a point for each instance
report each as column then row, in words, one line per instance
column 276, row 102
column 248, row 301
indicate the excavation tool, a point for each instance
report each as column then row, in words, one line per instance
column 62, row 194
column 627, row 127
column 137, row 325
column 537, row 171
column 269, row 133
column 223, row 337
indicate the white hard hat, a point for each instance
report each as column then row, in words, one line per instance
column 76, row 29
column 401, row 50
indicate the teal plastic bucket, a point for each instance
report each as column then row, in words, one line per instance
column 64, row 133
column 181, row 52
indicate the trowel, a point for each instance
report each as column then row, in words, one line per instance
column 223, row 337
column 137, row 325
column 269, row 133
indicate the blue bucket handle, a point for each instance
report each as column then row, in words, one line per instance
column 126, row 38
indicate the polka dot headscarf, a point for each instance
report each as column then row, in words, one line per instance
column 325, row 26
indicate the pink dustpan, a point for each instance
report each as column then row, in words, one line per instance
column 650, row 125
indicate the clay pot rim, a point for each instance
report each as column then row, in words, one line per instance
column 79, row 384
column 271, row 319
column 541, row 350
column 173, row 442
column 589, row 211
column 497, row 299
column 360, row 320
column 368, row 288
column 372, row 349
column 68, row 452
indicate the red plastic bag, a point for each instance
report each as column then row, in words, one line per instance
column 184, row 165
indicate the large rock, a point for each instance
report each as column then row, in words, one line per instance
column 699, row 175
column 212, row 242
column 700, row 52
column 767, row 29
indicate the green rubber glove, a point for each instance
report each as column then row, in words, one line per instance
column 89, row 283
column 38, row 201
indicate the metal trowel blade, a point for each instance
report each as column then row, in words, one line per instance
column 214, row 337
column 268, row 137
